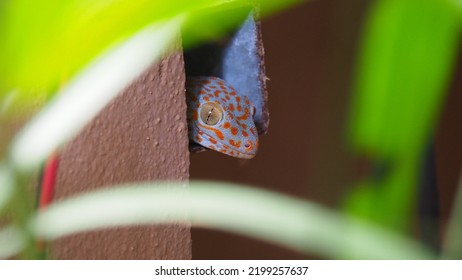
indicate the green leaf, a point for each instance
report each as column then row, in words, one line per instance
column 406, row 60
column 40, row 51
column 89, row 92
column 291, row 222
column 404, row 69
column 11, row 242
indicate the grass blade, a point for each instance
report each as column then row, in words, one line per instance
column 287, row 221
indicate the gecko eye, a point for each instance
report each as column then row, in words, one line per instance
column 211, row 113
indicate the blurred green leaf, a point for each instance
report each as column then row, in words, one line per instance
column 11, row 242
column 210, row 23
column 40, row 51
column 89, row 92
column 44, row 43
column 404, row 68
column 291, row 222
column 405, row 64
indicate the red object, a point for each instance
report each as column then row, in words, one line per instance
column 49, row 181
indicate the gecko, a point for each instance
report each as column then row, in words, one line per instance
column 219, row 118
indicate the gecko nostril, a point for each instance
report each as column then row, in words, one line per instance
column 253, row 111
column 248, row 145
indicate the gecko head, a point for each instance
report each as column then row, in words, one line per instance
column 223, row 121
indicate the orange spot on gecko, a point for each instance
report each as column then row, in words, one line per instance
column 227, row 97
column 239, row 108
column 233, row 93
column 226, row 125
column 253, row 131
column 234, row 130
column 206, row 98
column 243, row 117
column 195, row 116
column 247, row 102
column 245, row 134
column 198, row 138
column 217, row 132
column 216, row 93
column 238, row 99
column 235, row 144
column 243, row 125
column 231, row 107
column 213, row 140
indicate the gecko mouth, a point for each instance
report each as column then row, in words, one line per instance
column 240, row 153
column 247, row 152
column 233, row 151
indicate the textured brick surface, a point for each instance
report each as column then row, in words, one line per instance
column 140, row 136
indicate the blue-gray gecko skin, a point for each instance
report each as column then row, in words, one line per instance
column 219, row 118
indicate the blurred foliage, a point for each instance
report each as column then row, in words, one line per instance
column 213, row 205
column 408, row 52
column 41, row 51
column 50, row 46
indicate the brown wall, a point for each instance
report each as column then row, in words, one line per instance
column 140, row 136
